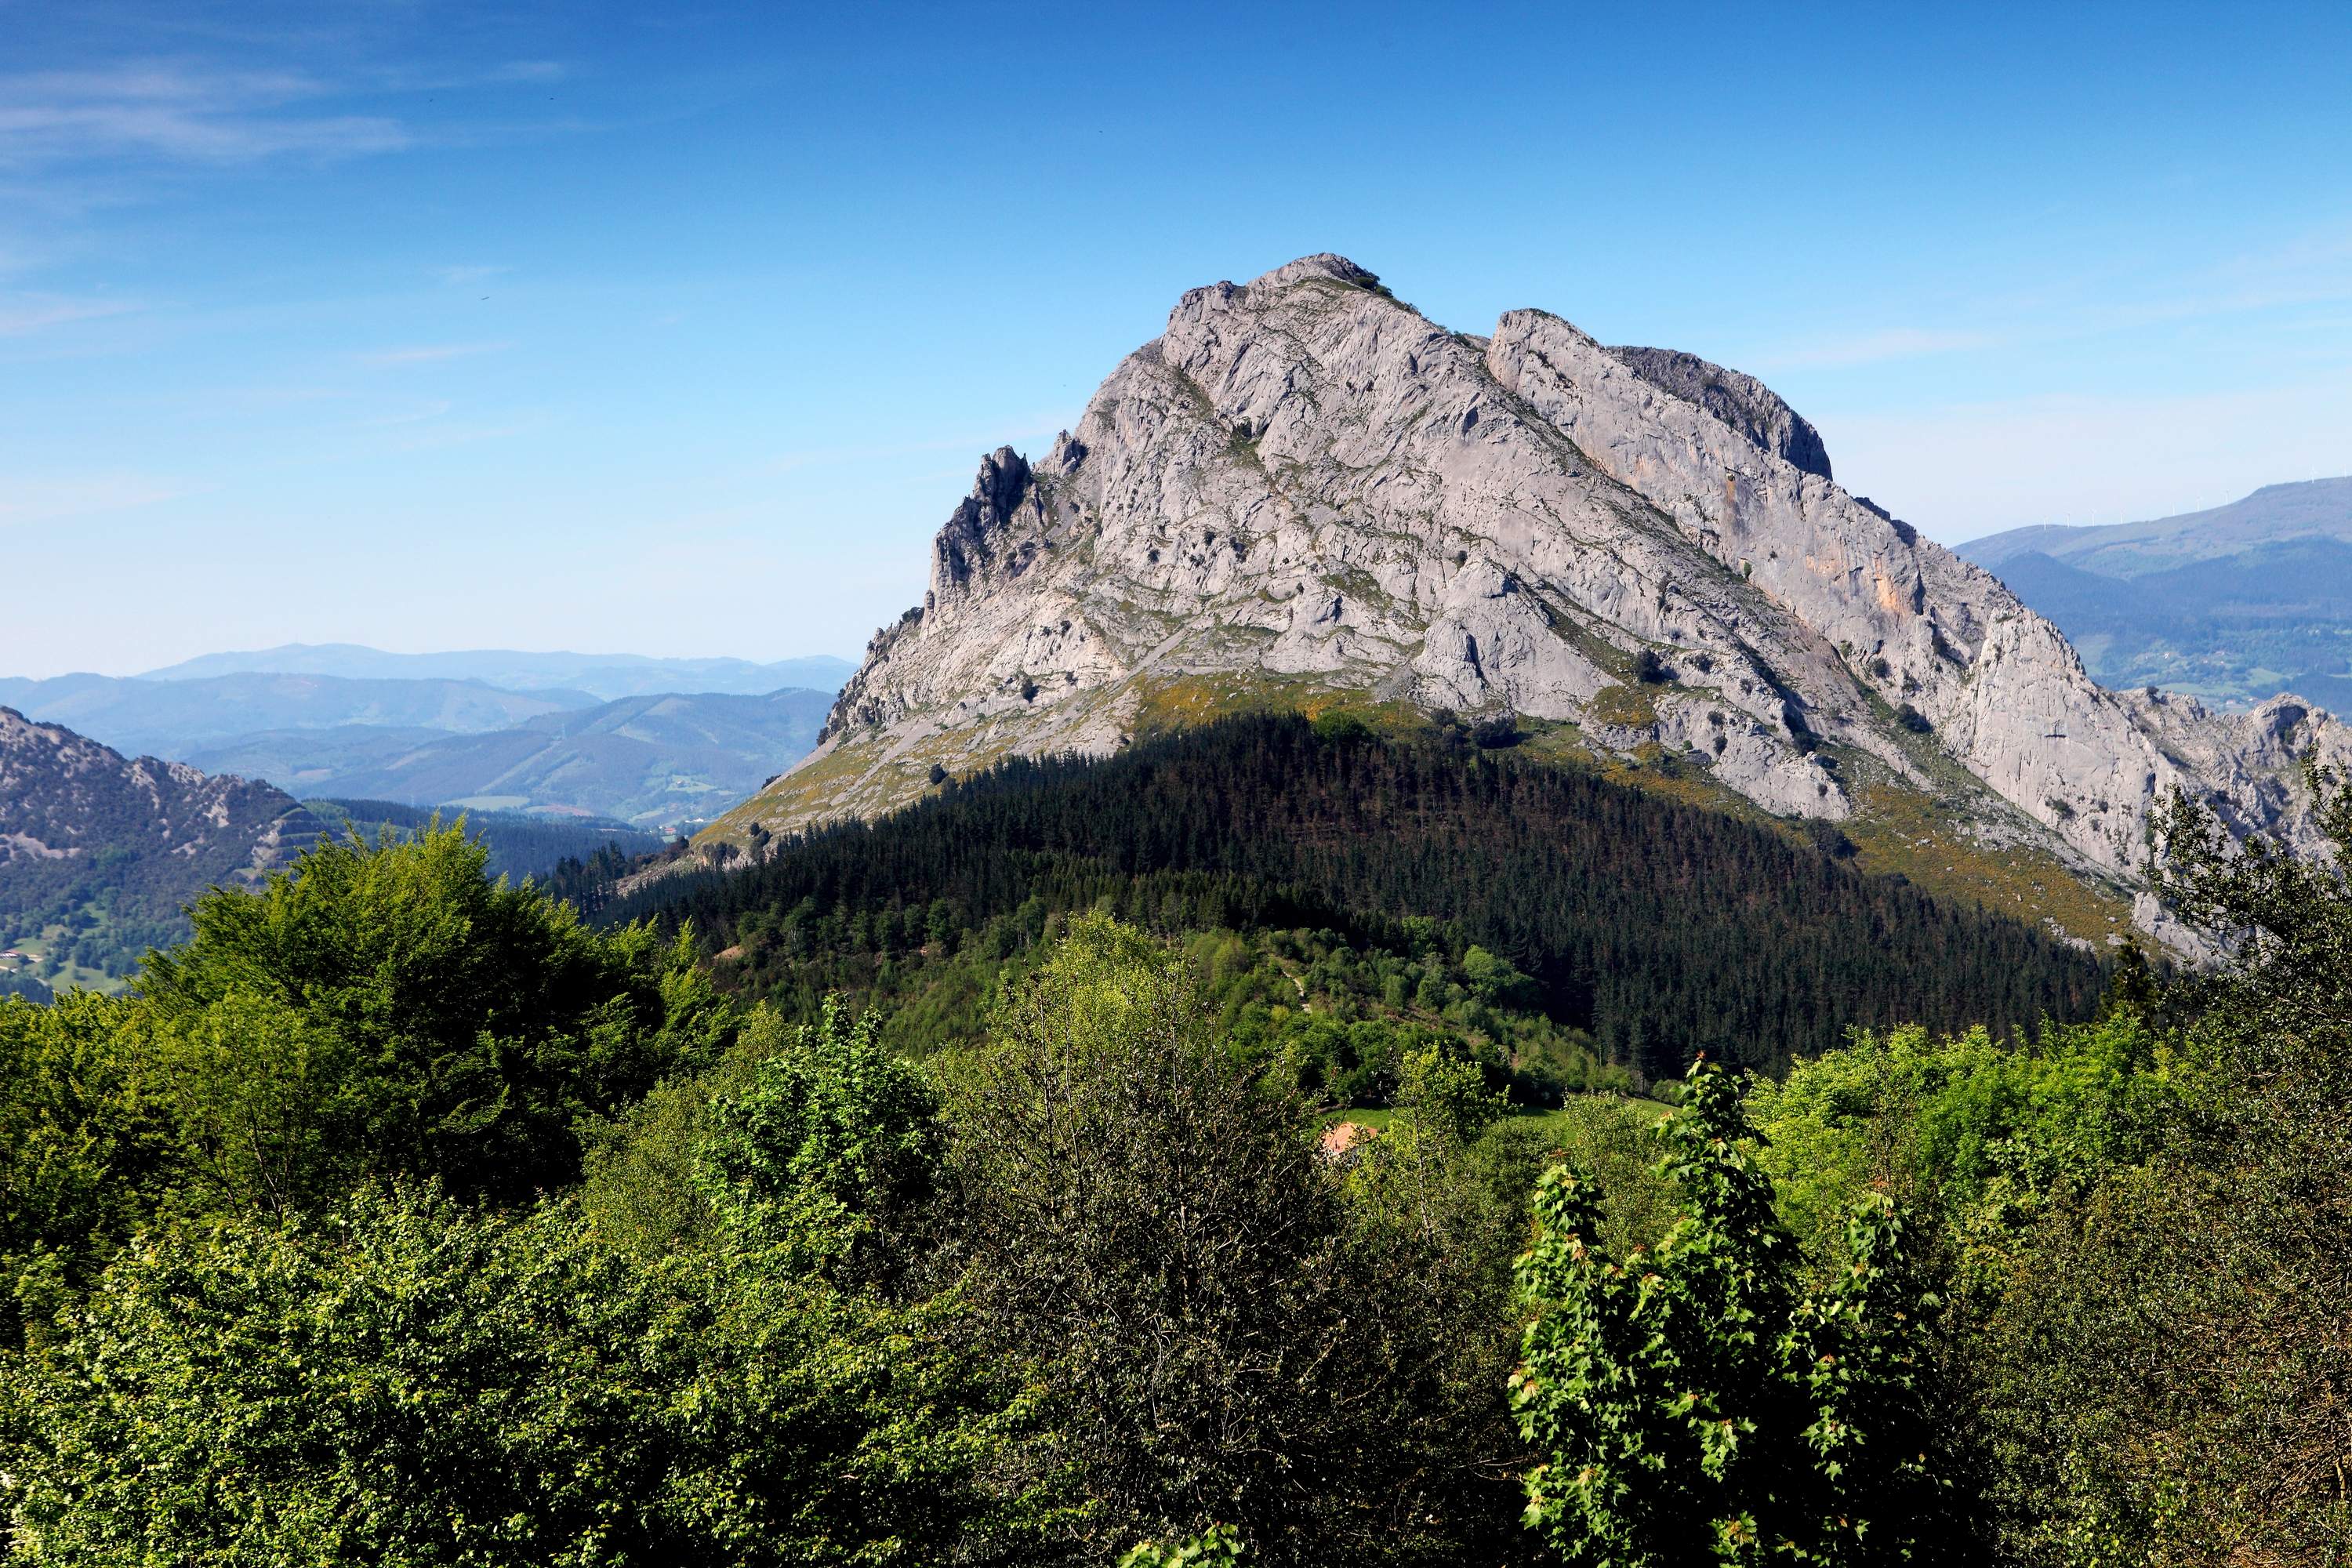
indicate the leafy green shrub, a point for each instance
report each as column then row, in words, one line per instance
column 835, row 1138
column 1983, row 1136
column 1338, row 727
column 1220, row 1545
column 451, row 1026
column 2163, row 1380
column 388, row 1012
column 79, row 1149
column 408, row 1383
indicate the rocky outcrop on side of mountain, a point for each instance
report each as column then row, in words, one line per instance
column 83, row 826
column 1305, row 488
column 1742, row 402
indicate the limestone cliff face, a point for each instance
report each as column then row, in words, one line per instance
column 1303, row 485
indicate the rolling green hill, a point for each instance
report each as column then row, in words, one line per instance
column 649, row 760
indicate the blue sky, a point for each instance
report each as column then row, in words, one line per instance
column 679, row 330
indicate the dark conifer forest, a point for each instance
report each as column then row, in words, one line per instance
column 1662, row 931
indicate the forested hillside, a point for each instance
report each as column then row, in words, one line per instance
column 400, row 1218
column 1659, row 931
column 519, row 846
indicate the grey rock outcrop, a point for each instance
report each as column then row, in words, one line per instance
column 1742, row 402
column 1305, row 485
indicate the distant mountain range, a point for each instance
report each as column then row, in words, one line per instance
column 176, row 718
column 2314, row 509
column 649, row 760
column 431, row 729
column 605, row 677
column 2232, row 605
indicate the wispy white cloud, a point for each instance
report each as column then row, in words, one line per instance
column 433, row 437
column 414, row 416
column 24, row 314
column 39, row 499
column 179, row 112
column 428, row 353
column 459, row 276
column 2288, row 280
column 528, row 71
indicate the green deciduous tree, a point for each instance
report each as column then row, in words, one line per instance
column 829, row 1150
column 1148, row 1222
column 408, row 1383
column 1219, row 1545
column 266, row 1110
column 79, row 1144
column 385, row 1012
column 1985, row 1137
column 2167, row 1373
column 444, row 1023
column 1691, row 1404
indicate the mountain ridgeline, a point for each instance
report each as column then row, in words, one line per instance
column 1662, row 929
column 607, row 678
column 647, row 761
column 1305, row 491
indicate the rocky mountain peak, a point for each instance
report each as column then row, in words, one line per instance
column 1304, row 490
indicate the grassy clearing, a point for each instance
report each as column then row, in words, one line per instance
column 1188, row 700
column 1627, row 707
column 1897, row 829
column 36, row 950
